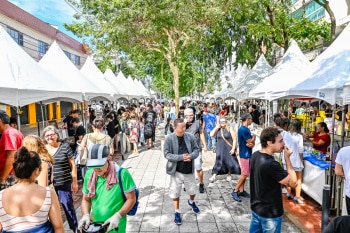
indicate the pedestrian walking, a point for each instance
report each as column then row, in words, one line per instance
column 246, row 142
column 267, row 176
column 181, row 149
column 226, row 161
column 195, row 127
column 27, row 206
column 10, row 141
column 64, row 173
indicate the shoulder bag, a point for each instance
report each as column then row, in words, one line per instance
column 236, row 168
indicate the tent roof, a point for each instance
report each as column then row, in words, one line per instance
column 57, row 62
column 23, row 81
column 238, row 74
column 94, row 74
column 260, row 70
column 284, row 75
column 328, row 73
column 132, row 92
column 111, row 78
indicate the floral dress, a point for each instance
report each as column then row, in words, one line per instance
column 134, row 130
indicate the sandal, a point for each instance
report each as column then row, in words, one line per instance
column 298, row 200
column 289, row 196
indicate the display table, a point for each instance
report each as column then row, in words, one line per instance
column 314, row 177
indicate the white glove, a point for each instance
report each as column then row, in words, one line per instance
column 84, row 222
column 113, row 221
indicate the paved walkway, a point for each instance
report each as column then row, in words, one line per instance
column 219, row 212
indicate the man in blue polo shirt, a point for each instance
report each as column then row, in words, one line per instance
column 246, row 142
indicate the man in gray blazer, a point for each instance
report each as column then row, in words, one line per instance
column 181, row 149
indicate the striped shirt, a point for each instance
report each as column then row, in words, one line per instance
column 61, row 167
column 13, row 223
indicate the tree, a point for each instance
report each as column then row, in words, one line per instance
column 169, row 28
column 325, row 5
column 184, row 44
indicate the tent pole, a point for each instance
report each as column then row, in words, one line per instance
column 42, row 113
column 18, row 118
column 330, row 170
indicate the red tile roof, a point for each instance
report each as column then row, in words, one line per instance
column 12, row 11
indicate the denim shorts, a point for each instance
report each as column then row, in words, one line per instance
column 198, row 162
column 267, row 225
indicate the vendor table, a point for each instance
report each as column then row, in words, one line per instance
column 314, row 178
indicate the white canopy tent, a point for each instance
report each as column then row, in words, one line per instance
column 260, row 70
column 136, row 87
column 141, row 88
column 23, row 81
column 237, row 74
column 94, row 74
column 328, row 73
column 111, row 79
column 132, row 92
column 139, row 83
column 57, row 62
column 284, row 75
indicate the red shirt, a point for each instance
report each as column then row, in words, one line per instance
column 326, row 138
column 11, row 139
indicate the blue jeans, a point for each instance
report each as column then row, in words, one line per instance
column 265, row 225
column 211, row 141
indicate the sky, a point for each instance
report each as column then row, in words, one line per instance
column 55, row 12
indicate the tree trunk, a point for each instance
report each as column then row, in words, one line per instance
column 326, row 6
column 175, row 71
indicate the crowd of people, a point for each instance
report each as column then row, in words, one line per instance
column 52, row 166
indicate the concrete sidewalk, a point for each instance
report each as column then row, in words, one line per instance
column 219, row 212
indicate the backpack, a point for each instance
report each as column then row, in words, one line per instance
column 133, row 211
column 149, row 117
column 148, row 130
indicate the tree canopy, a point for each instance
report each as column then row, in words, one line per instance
column 184, row 44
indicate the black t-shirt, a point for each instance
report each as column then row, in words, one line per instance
column 70, row 128
column 111, row 129
column 196, row 129
column 149, row 116
column 255, row 116
column 183, row 167
column 265, row 189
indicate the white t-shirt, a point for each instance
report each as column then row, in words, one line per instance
column 298, row 147
column 343, row 158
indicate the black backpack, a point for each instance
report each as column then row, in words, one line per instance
column 148, row 131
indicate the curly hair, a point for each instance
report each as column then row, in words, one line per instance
column 36, row 144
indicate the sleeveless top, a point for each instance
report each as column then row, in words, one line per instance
column 13, row 223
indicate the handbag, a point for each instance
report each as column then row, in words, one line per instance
column 133, row 211
column 82, row 157
column 236, row 168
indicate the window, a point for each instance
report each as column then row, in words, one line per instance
column 313, row 11
column 68, row 54
column 16, row 35
column 42, row 47
column 76, row 60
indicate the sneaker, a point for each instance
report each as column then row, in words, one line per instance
column 194, row 207
column 201, row 188
column 289, row 196
column 228, row 178
column 177, row 219
column 214, row 150
column 244, row 194
column 235, row 196
column 212, row 178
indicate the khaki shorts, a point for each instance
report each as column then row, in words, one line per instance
column 176, row 182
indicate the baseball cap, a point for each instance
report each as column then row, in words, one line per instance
column 97, row 155
column 246, row 116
